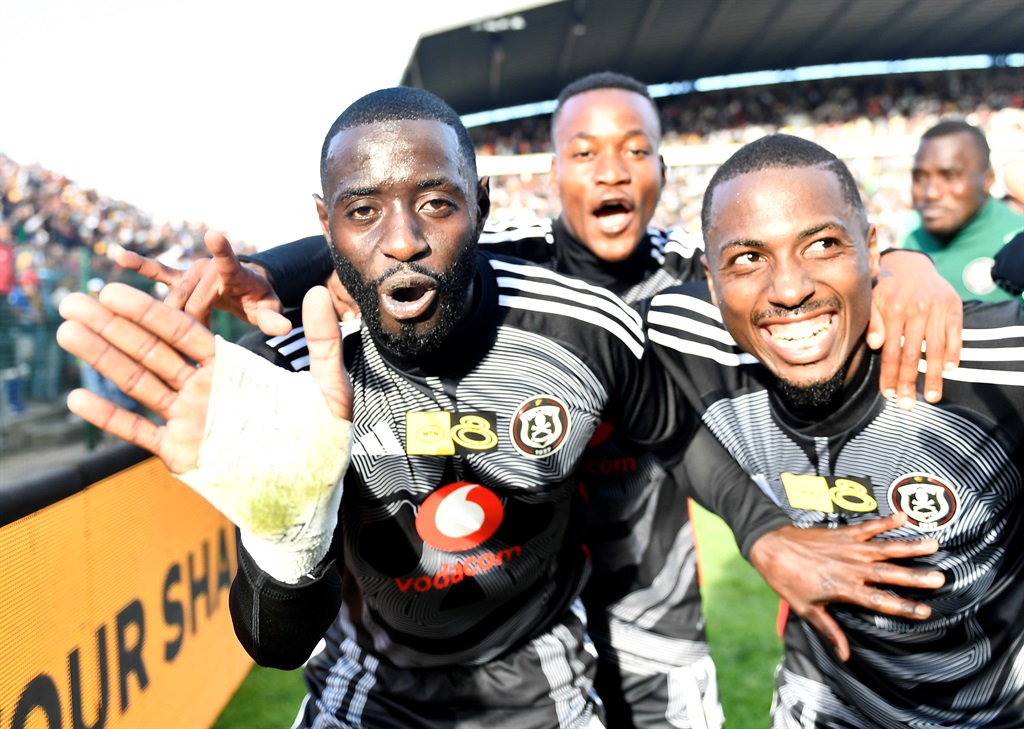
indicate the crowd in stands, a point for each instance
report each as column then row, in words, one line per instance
column 59, row 235
column 55, row 237
column 864, row 110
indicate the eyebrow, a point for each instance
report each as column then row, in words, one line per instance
column 627, row 133
column 813, row 230
column 350, row 193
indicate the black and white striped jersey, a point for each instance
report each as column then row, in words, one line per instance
column 955, row 468
column 663, row 257
column 458, row 535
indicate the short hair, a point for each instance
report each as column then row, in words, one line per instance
column 401, row 103
column 957, row 126
column 596, row 81
column 782, row 151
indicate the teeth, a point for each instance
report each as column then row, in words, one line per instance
column 801, row 330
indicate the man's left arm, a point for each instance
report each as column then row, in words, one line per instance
column 809, row 568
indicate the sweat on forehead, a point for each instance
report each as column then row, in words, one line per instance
column 400, row 103
column 782, row 151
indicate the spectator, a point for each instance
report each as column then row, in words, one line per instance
column 956, row 221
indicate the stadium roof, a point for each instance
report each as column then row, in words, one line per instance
column 527, row 56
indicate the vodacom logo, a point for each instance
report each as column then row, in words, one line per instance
column 459, row 516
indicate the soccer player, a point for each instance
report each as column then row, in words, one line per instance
column 655, row 668
column 790, row 387
column 443, row 571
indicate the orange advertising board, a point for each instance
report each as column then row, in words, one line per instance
column 114, row 609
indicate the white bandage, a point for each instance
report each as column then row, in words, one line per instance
column 272, row 461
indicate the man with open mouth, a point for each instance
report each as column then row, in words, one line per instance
column 655, row 667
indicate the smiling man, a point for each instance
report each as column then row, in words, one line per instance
column 643, row 603
column 442, row 572
column 791, row 390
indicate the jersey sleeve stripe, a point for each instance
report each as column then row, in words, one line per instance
column 553, row 291
column 706, row 351
column 527, row 271
column 687, row 303
column 985, row 335
column 628, row 337
column 690, row 327
column 989, row 377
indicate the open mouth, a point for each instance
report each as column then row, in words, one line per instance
column 614, row 215
column 407, row 295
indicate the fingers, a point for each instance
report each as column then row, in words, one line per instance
column 148, row 267
column 221, row 250
column 891, row 347
column 886, row 603
column 323, row 339
column 131, row 377
column 106, row 416
column 344, row 305
column 177, row 329
column 945, row 338
column 829, row 629
column 910, row 357
column 272, row 323
column 887, row 573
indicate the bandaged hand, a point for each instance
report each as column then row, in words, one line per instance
column 266, row 446
column 272, row 459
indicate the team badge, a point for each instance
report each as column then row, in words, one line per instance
column 977, row 276
column 928, row 502
column 539, row 426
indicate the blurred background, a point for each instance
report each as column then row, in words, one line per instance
column 143, row 124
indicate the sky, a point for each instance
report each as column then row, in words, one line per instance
column 211, row 111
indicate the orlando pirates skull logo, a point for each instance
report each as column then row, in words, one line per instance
column 539, row 426
column 928, row 502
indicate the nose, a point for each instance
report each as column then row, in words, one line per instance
column 403, row 237
column 791, row 285
column 931, row 187
column 611, row 169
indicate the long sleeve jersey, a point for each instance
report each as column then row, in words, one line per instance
column 955, row 468
column 458, row 534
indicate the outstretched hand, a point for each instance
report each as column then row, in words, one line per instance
column 913, row 304
column 165, row 360
column 220, row 282
column 810, row 568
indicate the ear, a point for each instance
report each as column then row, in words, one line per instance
column 483, row 203
column 664, row 179
column 325, row 221
column 874, row 255
column 709, row 278
column 990, row 178
column 553, row 177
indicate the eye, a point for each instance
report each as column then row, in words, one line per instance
column 361, row 212
column 639, row 152
column 438, row 206
column 582, row 154
column 824, row 246
column 746, row 259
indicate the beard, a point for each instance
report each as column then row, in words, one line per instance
column 452, row 289
column 813, row 396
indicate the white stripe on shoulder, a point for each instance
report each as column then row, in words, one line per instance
column 528, row 272
column 705, row 351
column 683, row 243
column 690, row 303
column 984, row 377
column 987, row 335
column 691, row 327
column 526, row 303
column 516, row 230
